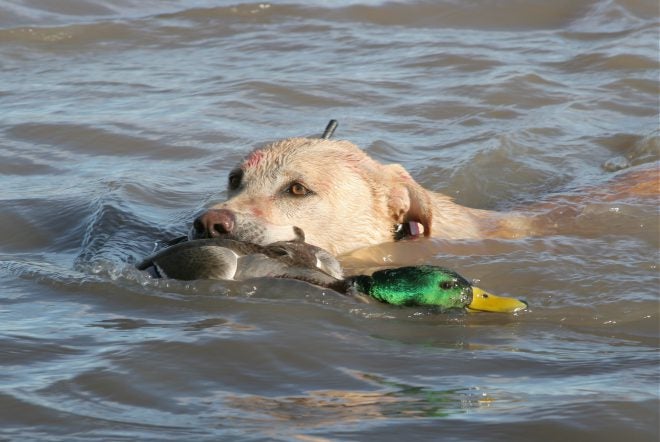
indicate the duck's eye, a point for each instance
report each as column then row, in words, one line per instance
column 235, row 178
column 297, row 189
column 448, row 285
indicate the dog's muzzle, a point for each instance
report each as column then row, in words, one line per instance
column 225, row 223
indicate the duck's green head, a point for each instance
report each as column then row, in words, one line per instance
column 428, row 285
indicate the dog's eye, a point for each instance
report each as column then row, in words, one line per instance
column 297, row 189
column 235, row 178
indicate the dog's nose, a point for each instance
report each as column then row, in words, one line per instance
column 213, row 223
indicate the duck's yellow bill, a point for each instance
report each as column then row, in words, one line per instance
column 486, row 302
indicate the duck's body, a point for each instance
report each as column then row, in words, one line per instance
column 235, row 260
column 422, row 285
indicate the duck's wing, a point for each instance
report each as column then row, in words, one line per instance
column 329, row 264
column 313, row 276
column 303, row 255
column 239, row 247
column 188, row 261
column 259, row 265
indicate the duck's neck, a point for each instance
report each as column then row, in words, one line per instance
column 358, row 283
column 384, row 293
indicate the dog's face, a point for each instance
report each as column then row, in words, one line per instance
column 338, row 196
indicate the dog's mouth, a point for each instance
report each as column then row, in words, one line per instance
column 244, row 228
column 297, row 235
column 408, row 230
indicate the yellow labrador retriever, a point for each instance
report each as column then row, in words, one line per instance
column 333, row 195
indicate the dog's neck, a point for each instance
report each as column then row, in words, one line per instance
column 474, row 223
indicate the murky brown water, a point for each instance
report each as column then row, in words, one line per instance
column 120, row 119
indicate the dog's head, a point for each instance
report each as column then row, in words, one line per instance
column 329, row 193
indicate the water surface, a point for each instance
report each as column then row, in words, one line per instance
column 120, row 120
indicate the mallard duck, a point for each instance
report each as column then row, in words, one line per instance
column 422, row 285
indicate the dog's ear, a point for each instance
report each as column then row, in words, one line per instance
column 408, row 201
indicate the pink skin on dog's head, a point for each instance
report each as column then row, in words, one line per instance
column 253, row 159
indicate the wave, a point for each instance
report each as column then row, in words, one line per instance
column 90, row 21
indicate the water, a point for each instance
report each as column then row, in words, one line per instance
column 121, row 119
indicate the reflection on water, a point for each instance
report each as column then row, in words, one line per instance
column 337, row 408
column 121, row 120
